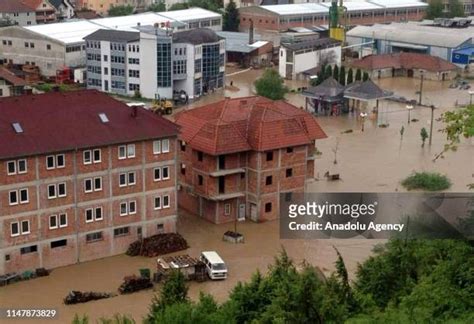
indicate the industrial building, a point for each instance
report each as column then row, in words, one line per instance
column 239, row 156
column 155, row 62
column 307, row 53
column 424, row 38
column 53, row 47
column 82, row 176
column 282, row 17
column 247, row 49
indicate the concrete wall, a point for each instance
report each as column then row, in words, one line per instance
column 39, row 208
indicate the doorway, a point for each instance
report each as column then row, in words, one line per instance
column 241, row 215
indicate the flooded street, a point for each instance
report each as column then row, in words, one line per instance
column 374, row 160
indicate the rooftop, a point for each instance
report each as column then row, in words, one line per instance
column 58, row 122
column 10, row 77
column 239, row 42
column 366, row 91
column 328, row 89
column 311, row 42
column 249, row 123
column 404, row 60
column 114, row 35
column 11, row 6
column 196, row 36
column 415, row 33
column 74, row 31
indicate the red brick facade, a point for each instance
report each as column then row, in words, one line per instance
column 108, row 195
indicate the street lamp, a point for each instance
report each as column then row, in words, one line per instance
column 409, row 108
column 422, row 76
column 363, row 116
column 471, row 93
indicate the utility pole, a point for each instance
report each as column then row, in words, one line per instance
column 431, row 124
column 422, row 75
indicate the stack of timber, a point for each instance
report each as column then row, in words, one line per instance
column 158, row 245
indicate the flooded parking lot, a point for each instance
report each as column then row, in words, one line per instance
column 373, row 160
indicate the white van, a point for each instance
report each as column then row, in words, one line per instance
column 216, row 268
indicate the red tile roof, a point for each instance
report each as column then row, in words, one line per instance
column 405, row 61
column 55, row 122
column 33, row 4
column 250, row 123
column 11, row 77
column 14, row 6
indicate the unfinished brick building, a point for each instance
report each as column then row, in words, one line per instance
column 238, row 155
column 81, row 176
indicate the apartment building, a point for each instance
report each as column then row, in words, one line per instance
column 155, row 62
column 239, row 156
column 14, row 12
column 82, row 175
column 45, row 11
column 102, row 6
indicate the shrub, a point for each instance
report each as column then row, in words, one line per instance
column 429, row 181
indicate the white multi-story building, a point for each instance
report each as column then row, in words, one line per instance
column 14, row 12
column 155, row 62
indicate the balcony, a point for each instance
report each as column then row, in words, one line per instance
column 225, row 172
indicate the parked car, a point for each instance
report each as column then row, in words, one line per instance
column 216, row 268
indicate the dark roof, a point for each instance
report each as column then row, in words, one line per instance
column 312, row 43
column 10, row 77
column 404, row 61
column 113, row 35
column 329, row 88
column 196, row 36
column 366, row 90
column 14, row 6
column 56, row 3
column 86, row 14
column 55, row 122
column 250, row 123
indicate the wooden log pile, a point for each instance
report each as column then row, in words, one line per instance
column 158, row 245
column 133, row 283
column 76, row 297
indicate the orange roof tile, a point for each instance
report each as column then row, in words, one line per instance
column 250, row 123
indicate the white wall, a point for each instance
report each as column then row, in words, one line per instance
column 148, row 82
column 105, row 50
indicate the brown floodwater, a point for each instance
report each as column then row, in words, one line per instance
column 373, row 160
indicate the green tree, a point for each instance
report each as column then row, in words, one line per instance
column 365, row 76
column 424, row 135
column 231, row 17
column 158, row 6
column 173, row 291
column 435, row 9
column 456, row 9
column 335, row 72
column 271, row 85
column 116, row 11
column 178, row 6
column 342, row 75
column 358, row 76
column 328, row 72
column 350, row 76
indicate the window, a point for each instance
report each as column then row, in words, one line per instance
column 227, row 209
column 87, row 157
column 288, row 196
column 166, row 201
column 200, row 156
column 156, row 147
column 183, row 169
column 55, row 161
column 166, row 173
column 53, row 221
column 98, row 214
column 29, row 249
column 13, row 197
column 14, row 229
column 165, row 146
column 88, row 185
column 200, row 180
column 183, row 146
column 121, row 231
column 268, row 180
column 63, row 220
column 127, row 179
column 270, row 156
column 18, row 196
column 268, row 207
column 25, row 227
column 126, row 151
column 97, row 156
column 128, row 208
column 158, row 202
column 157, row 174
column 51, row 191
column 98, row 184
column 48, row 47
column 289, row 150
column 89, row 215
column 18, row 166
column 92, row 237
column 289, row 173
column 62, row 189
column 59, row 243
column 160, row 228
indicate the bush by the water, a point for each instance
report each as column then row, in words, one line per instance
column 426, row 181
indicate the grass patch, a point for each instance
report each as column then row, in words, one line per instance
column 429, row 181
column 48, row 87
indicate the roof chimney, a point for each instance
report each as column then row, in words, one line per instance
column 251, row 32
